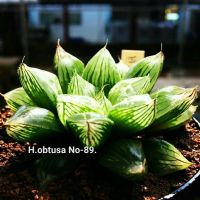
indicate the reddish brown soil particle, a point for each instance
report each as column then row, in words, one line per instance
column 9, row 149
column 88, row 182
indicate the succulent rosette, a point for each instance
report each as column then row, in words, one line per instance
column 103, row 104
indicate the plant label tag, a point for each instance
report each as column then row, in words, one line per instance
column 131, row 56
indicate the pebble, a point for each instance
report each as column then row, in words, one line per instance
column 1, row 142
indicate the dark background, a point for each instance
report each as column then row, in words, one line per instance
column 31, row 28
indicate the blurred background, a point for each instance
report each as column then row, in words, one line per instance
column 31, row 28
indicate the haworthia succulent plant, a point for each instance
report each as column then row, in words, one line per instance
column 41, row 86
column 92, row 129
column 171, row 102
column 66, row 65
column 126, row 88
column 17, row 98
column 79, row 86
column 33, row 124
column 163, row 158
column 101, row 70
column 68, row 105
column 151, row 66
column 133, row 114
column 126, row 158
column 103, row 99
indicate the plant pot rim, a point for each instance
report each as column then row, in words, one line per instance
column 188, row 183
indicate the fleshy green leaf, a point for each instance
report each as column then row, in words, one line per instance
column 103, row 102
column 179, row 120
column 101, row 70
column 66, row 65
column 33, row 124
column 122, row 68
column 126, row 158
column 90, row 128
column 41, row 86
column 171, row 102
column 126, row 88
column 51, row 167
column 79, row 86
column 151, row 66
column 17, row 98
column 133, row 114
column 68, row 105
column 163, row 158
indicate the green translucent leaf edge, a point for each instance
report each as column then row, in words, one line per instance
column 132, row 124
column 75, row 104
column 89, row 135
column 80, row 86
column 101, row 78
column 179, row 120
column 116, row 95
column 33, row 87
column 151, row 65
column 22, row 130
column 175, row 108
column 154, row 165
column 17, row 98
column 66, row 67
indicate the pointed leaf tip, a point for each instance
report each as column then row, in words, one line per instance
column 151, row 65
column 40, row 85
column 106, row 43
column 101, row 70
column 58, row 42
column 163, row 158
column 66, row 65
column 23, row 59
